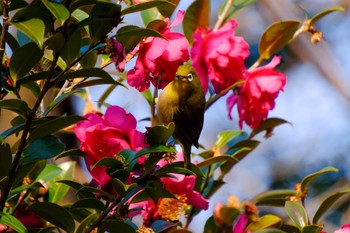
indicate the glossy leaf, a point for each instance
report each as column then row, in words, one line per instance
column 312, row 229
column 155, row 149
column 304, row 183
column 23, row 59
column 53, row 126
column 159, row 135
column 71, row 49
column 156, row 190
column 55, row 214
column 167, row 11
column 89, row 203
column 86, row 222
column 57, row 190
column 297, row 213
column 276, row 37
column 146, row 5
column 33, row 28
column 57, row 101
column 161, row 225
column 33, row 87
column 42, row 149
column 115, row 226
column 266, row 221
column 71, row 153
column 236, row 7
column 210, row 226
column 12, row 222
column 150, row 15
column 15, row 105
column 86, row 190
column 94, row 82
column 327, row 203
column 224, row 137
column 6, row 160
column 197, row 15
column 109, row 162
column 86, row 73
column 274, row 197
column 216, row 159
column 322, row 14
column 49, row 172
column 60, row 12
column 55, row 42
column 130, row 30
column 173, row 168
column 267, row 125
column 35, row 77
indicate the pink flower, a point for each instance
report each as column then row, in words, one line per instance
column 344, row 229
column 118, row 55
column 257, row 95
column 106, row 136
column 219, row 55
column 159, row 57
column 241, row 224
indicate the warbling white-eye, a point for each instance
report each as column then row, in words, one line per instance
column 183, row 102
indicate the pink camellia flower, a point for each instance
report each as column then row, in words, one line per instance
column 158, row 57
column 219, row 55
column 344, row 229
column 257, row 95
column 106, row 136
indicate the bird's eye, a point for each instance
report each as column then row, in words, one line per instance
column 190, row 77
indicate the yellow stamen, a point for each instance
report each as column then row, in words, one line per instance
column 144, row 229
column 171, row 209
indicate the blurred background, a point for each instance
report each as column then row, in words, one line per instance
column 316, row 101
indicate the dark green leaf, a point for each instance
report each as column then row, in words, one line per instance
column 159, row 135
column 86, row 190
column 277, row 36
column 53, row 126
column 327, row 203
column 49, row 172
column 266, row 221
column 197, row 15
column 274, row 197
column 55, row 214
column 89, row 203
column 55, row 42
column 115, row 226
column 162, row 226
column 304, row 183
column 58, row 100
column 33, row 87
column 15, row 105
column 272, row 230
column 42, row 149
column 95, row 82
column 86, row 222
column 71, row 49
column 312, row 229
column 167, row 10
column 109, row 162
column 33, row 28
column 147, row 5
column 35, row 77
column 156, row 190
column 10, row 40
column 23, row 59
column 322, row 14
column 236, row 7
column 60, row 12
column 224, row 137
column 297, row 213
column 86, row 73
column 71, row 153
column 130, row 30
column 6, row 160
column 267, row 125
column 216, row 159
column 210, row 226
column 12, row 222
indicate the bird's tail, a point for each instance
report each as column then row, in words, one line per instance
column 187, row 156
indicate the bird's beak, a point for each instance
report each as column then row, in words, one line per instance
column 177, row 76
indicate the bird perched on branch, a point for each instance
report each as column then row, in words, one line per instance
column 183, row 102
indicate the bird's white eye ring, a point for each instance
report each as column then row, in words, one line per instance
column 190, row 77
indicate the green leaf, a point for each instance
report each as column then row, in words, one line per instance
column 150, row 15
column 33, row 87
column 53, row 126
column 60, row 12
column 267, row 125
column 155, row 149
column 57, row 101
column 156, row 190
column 304, row 183
column 115, row 226
column 131, row 30
column 274, row 197
column 159, row 135
column 33, row 28
column 71, row 153
column 12, row 222
column 322, row 14
column 49, row 172
column 95, row 82
column 312, row 229
column 86, row 222
column 224, row 137
column 89, row 203
column 147, row 5
column 210, row 226
column 109, row 162
column 236, row 7
column 228, row 214
column 327, row 203
column 15, row 105
column 55, row 214
column 86, row 190
column 55, row 42
column 71, row 49
column 86, row 73
column 42, row 149
column 277, row 36
column 216, row 159
column 167, row 10
column 162, row 226
column 297, row 213
column 266, row 221
column 21, row 63
column 197, row 15
column 6, row 160
column 57, row 190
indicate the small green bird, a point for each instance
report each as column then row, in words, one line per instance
column 183, row 102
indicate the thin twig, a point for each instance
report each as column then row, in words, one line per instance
column 223, row 15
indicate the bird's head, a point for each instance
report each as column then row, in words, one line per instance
column 186, row 80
